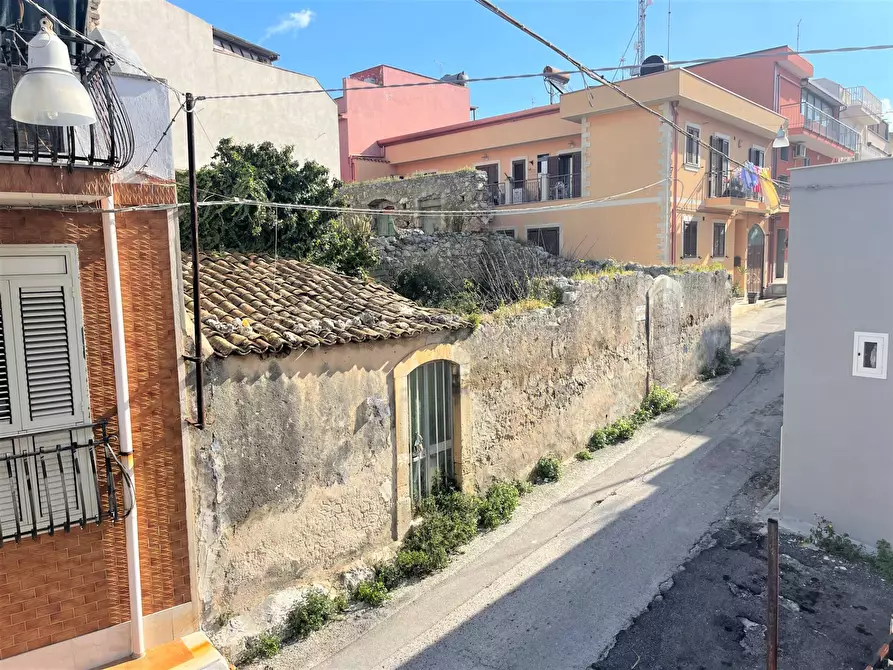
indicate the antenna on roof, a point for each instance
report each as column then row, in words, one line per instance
column 798, row 33
column 556, row 82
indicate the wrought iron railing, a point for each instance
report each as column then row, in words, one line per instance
column 53, row 480
column 108, row 143
column 803, row 116
column 541, row 189
column 732, row 184
column 859, row 95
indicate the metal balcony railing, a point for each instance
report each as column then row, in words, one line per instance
column 108, row 143
column 859, row 95
column 732, row 185
column 541, row 189
column 50, row 481
column 805, row 117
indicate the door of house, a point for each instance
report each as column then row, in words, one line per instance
column 431, row 398
column 756, row 244
column 781, row 249
column 492, row 171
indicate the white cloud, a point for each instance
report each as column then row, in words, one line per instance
column 290, row 23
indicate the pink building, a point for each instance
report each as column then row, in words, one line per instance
column 367, row 112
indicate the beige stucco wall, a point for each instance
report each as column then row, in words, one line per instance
column 177, row 46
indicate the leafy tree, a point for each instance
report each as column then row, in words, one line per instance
column 266, row 174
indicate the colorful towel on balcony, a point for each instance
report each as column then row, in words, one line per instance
column 772, row 200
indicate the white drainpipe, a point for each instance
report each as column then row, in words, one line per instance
column 125, row 434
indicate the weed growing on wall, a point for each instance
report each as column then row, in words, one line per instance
column 312, row 614
column 546, row 470
column 657, row 402
column 583, row 455
column 262, row 646
column 372, row 592
column 828, row 540
column 723, row 364
column 498, row 505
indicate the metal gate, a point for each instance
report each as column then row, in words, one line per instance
column 431, row 426
column 756, row 244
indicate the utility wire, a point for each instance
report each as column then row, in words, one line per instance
column 163, row 135
column 119, row 57
column 532, row 75
column 602, row 80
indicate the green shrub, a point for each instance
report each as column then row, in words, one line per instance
column 640, row 417
column 659, row 400
column 598, row 440
column 547, row 469
column 266, row 645
column 583, row 455
column 499, row 504
column 524, row 487
column 622, row 430
column 389, row 574
column 883, row 560
column 826, row 538
column 417, row 563
column 450, row 520
column 372, row 592
column 313, row 613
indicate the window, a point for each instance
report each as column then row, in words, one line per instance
column 819, row 107
column 784, row 154
column 431, row 400
column 719, row 239
column 519, row 172
column 431, row 222
column 692, row 146
column 757, row 156
column 690, row 239
column 43, row 389
column 547, row 238
column 223, row 43
column 508, row 232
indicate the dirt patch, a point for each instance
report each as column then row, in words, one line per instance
column 834, row 614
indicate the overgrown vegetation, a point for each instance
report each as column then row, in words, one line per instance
column 499, row 504
column 657, row 402
column 828, row 540
column 262, row 646
column 372, row 592
column 723, row 364
column 312, row 614
column 610, row 269
column 547, row 469
column 707, row 267
column 265, row 174
column 583, row 455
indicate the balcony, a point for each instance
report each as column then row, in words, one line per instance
column 108, row 143
column 859, row 96
column 53, row 480
column 820, row 132
column 727, row 191
column 543, row 189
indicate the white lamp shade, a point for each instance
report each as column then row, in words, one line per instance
column 781, row 139
column 49, row 94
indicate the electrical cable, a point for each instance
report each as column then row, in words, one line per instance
column 602, row 80
column 163, row 135
column 508, row 77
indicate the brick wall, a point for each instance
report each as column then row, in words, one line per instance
column 59, row 587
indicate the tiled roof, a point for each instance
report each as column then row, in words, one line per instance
column 256, row 304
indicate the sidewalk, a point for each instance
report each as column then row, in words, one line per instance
column 582, row 557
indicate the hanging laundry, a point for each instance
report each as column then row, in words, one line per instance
column 771, row 195
column 749, row 176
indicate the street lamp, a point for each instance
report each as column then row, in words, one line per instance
column 781, row 138
column 49, row 94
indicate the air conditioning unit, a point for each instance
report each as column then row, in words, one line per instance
column 799, row 151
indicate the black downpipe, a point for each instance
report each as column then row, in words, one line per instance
column 196, row 291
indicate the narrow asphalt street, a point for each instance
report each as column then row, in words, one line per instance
column 583, row 557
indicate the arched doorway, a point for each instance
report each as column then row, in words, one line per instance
column 431, row 409
column 756, row 249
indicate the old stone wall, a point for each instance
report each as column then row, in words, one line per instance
column 463, row 190
column 295, row 474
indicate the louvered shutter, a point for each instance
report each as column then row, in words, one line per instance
column 5, row 399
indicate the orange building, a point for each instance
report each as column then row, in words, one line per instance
column 596, row 177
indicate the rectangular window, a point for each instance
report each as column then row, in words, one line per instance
column 43, row 391
column 692, row 146
column 690, row 239
column 547, row 238
column 719, row 239
column 784, row 154
column 757, row 156
column 519, row 172
column 508, row 232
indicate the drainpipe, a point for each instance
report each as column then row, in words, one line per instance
column 675, row 170
column 125, row 432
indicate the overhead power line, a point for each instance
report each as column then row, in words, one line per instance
column 533, row 75
column 602, row 80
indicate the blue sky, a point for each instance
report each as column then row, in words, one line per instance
column 329, row 39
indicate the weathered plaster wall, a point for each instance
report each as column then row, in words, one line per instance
column 304, row 465
column 462, row 190
column 294, row 473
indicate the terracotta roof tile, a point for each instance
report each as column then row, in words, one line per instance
column 259, row 305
